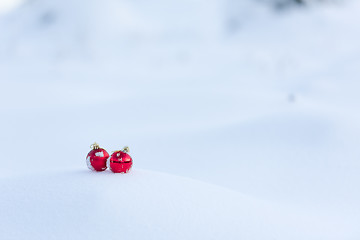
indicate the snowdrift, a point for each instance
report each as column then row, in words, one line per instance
column 140, row 205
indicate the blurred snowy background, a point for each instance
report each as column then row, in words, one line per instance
column 258, row 97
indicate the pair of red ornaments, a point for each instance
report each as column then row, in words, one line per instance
column 98, row 160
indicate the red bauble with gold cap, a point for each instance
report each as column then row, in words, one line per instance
column 96, row 158
column 120, row 161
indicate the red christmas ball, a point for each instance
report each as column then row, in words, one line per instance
column 96, row 158
column 120, row 161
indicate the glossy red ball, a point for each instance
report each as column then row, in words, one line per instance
column 96, row 159
column 120, row 162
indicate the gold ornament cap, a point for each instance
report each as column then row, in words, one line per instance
column 125, row 149
column 94, row 146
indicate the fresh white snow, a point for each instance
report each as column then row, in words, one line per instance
column 79, row 204
column 261, row 107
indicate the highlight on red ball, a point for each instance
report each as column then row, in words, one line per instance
column 96, row 158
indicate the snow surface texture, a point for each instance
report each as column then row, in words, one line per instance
column 233, row 94
column 87, row 205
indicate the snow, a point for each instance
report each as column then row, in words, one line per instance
column 256, row 110
column 8, row 5
column 80, row 204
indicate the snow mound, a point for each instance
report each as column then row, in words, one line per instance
column 142, row 204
